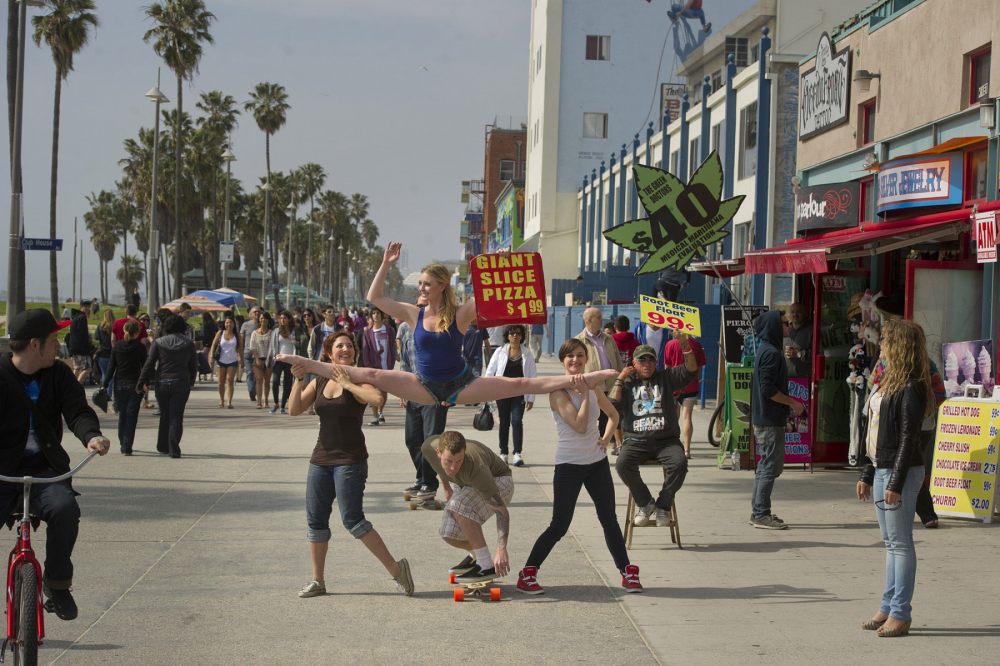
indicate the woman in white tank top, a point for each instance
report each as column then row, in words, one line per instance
column 227, row 355
column 581, row 462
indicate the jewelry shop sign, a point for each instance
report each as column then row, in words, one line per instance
column 911, row 182
column 825, row 91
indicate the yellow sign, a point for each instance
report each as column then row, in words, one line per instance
column 667, row 314
column 964, row 472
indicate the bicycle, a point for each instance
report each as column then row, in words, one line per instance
column 25, row 621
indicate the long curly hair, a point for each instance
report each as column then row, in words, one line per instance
column 905, row 350
column 449, row 305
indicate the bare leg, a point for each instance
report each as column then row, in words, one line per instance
column 687, row 427
column 222, row 383
column 230, row 383
column 458, row 543
column 401, row 384
column 472, row 530
column 373, row 542
column 260, row 382
column 267, row 386
column 317, row 553
column 484, row 389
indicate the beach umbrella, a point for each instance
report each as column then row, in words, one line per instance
column 197, row 303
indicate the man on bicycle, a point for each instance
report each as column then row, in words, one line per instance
column 36, row 394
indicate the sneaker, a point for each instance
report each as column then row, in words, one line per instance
column 423, row 493
column 662, row 517
column 630, row 579
column 477, row 575
column 464, row 566
column 404, row 581
column 503, row 457
column 284, row 410
column 527, row 583
column 518, row 460
column 412, row 489
column 274, row 410
column 768, row 522
column 315, row 588
column 373, row 423
column 60, row 602
column 643, row 517
column 381, row 418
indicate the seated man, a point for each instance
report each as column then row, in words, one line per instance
column 36, row 394
column 644, row 398
column 485, row 486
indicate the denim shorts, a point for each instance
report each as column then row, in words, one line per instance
column 227, row 365
column 344, row 483
column 448, row 390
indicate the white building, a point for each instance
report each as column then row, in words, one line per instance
column 592, row 79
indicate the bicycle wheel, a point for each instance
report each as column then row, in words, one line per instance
column 26, row 622
column 713, row 437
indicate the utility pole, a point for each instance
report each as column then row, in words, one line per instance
column 73, row 293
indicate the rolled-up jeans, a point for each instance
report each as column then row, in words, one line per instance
column 771, row 446
column 344, row 483
column 251, row 380
column 896, row 526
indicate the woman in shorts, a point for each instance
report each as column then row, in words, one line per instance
column 226, row 344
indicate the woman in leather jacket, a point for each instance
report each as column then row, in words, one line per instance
column 895, row 468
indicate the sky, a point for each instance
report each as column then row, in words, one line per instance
column 391, row 97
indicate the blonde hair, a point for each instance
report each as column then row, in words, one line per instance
column 905, row 349
column 449, row 305
column 450, row 440
column 109, row 320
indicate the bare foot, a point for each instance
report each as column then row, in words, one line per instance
column 594, row 378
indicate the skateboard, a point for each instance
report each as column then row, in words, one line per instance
column 480, row 589
column 429, row 504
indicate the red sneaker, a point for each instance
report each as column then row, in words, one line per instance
column 526, row 581
column 630, row 579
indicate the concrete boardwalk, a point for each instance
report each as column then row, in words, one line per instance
column 198, row 561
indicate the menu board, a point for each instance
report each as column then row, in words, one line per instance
column 964, row 470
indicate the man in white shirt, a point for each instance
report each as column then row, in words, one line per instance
column 248, row 327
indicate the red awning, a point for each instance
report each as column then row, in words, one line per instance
column 724, row 268
column 811, row 255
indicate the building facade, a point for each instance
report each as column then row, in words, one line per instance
column 504, row 162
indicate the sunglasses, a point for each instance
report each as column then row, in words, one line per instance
column 880, row 504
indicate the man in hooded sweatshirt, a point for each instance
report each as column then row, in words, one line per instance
column 769, row 405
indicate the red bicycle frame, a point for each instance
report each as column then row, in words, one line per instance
column 22, row 555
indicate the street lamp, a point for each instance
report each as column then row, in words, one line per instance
column 15, row 286
column 266, row 188
column 340, row 264
column 347, row 252
column 152, row 277
column 290, row 208
column 229, row 158
column 309, row 250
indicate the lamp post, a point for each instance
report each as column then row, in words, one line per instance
column 266, row 187
column 343, row 291
column 15, row 286
column 309, row 251
column 152, row 275
column 229, row 159
column 291, row 208
column 340, row 266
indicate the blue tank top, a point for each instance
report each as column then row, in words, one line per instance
column 438, row 355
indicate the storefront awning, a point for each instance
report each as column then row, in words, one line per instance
column 724, row 268
column 812, row 255
column 958, row 143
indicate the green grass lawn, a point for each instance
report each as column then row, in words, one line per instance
column 95, row 317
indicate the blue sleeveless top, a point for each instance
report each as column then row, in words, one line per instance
column 439, row 355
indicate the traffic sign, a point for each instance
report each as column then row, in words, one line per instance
column 48, row 244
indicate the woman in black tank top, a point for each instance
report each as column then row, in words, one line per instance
column 338, row 467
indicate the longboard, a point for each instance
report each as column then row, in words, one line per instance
column 480, row 589
column 430, row 504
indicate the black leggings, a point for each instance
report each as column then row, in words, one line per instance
column 566, row 484
column 281, row 369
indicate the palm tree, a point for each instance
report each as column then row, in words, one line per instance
column 101, row 223
column 66, row 30
column 311, row 177
column 212, row 136
column 269, row 105
column 131, row 272
column 181, row 26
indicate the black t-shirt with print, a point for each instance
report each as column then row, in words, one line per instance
column 648, row 408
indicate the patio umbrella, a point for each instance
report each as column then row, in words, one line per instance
column 197, row 303
column 218, row 296
column 240, row 297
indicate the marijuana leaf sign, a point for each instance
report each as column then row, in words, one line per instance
column 683, row 219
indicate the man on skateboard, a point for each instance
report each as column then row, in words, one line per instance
column 484, row 487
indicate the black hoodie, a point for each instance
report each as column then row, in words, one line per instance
column 127, row 359
column 770, row 373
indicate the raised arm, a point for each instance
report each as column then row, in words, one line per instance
column 376, row 296
column 577, row 418
column 465, row 315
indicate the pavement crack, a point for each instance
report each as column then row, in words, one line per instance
column 159, row 559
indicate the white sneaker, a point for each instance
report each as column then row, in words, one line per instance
column 662, row 518
column 518, row 461
column 644, row 516
column 503, row 457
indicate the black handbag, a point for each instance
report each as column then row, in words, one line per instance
column 483, row 420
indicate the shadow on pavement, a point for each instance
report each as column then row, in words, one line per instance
column 797, row 594
column 771, row 546
column 993, row 630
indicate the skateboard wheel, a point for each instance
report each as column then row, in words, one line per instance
column 459, row 593
column 406, row 497
column 413, row 506
column 451, row 578
column 494, row 594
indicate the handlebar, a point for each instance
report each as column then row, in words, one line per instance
column 54, row 479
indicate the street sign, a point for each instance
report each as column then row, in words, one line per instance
column 48, row 244
column 226, row 251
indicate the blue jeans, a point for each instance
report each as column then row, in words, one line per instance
column 251, row 380
column 771, row 446
column 346, row 484
column 423, row 421
column 511, row 411
column 897, row 533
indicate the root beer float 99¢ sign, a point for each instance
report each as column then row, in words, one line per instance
column 509, row 288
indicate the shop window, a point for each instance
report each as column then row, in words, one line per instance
column 979, row 75
column 748, row 141
column 506, row 170
column 595, row 126
column 866, row 118
column 598, row 47
column 976, row 188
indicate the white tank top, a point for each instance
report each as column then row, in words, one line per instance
column 227, row 349
column 579, row 448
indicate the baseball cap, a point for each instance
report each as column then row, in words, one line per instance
column 31, row 324
column 644, row 350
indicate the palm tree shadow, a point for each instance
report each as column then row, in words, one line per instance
column 992, row 630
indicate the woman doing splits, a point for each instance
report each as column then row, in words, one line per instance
column 442, row 374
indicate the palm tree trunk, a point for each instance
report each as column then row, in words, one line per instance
column 53, row 183
column 273, row 256
column 126, row 282
column 178, row 138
